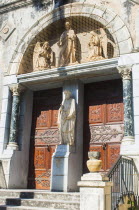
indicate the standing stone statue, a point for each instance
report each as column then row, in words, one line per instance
column 66, row 119
column 43, row 56
column 67, row 46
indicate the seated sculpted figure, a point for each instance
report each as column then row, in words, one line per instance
column 43, row 56
column 66, row 119
column 67, row 46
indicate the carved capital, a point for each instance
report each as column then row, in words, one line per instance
column 16, row 89
column 125, row 72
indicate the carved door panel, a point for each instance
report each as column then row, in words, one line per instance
column 113, row 151
column 44, row 137
column 103, row 121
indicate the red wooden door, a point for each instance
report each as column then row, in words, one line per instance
column 44, row 137
column 103, row 121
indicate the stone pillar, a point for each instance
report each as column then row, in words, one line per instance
column 125, row 72
column 67, row 160
column 95, row 192
column 13, row 144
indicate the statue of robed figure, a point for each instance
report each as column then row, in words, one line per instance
column 67, row 46
column 66, row 119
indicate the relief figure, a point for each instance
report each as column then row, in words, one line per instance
column 67, row 46
column 66, row 119
column 97, row 46
column 43, row 57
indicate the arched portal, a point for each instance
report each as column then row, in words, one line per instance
column 87, row 15
column 86, row 20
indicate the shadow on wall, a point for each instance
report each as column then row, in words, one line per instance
column 2, row 177
column 57, row 3
column 38, row 3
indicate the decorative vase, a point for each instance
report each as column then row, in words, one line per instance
column 93, row 164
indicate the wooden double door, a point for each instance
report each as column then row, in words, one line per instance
column 103, row 121
column 44, row 137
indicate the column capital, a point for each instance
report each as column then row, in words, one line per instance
column 125, row 71
column 16, row 89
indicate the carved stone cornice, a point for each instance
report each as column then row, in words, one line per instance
column 16, row 89
column 15, row 4
column 135, row 1
column 125, row 71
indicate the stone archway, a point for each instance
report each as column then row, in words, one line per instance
column 105, row 16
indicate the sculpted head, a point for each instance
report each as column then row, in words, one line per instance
column 93, row 34
column 67, row 94
column 67, row 25
column 46, row 45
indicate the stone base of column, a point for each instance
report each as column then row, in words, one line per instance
column 95, row 192
column 128, row 140
column 12, row 146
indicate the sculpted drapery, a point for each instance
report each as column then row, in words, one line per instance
column 66, row 119
column 43, row 57
column 67, row 46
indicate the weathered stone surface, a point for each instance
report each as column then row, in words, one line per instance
column 93, row 186
column 38, row 199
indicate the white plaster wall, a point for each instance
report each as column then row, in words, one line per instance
column 6, row 102
column 5, row 117
column 135, row 76
column 22, row 19
column 20, row 160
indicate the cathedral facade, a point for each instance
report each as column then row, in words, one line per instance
column 69, row 84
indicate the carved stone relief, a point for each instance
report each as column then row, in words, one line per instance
column 48, row 137
column 67, row 46
column 71, row 47
column 43, row 57
column 97, row 45
column 106, row 133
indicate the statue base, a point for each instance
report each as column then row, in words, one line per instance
column 62, row 168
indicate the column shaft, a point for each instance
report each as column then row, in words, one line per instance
column 125, row 72
column 14, row 119
column 128, row 110
column 13, row 144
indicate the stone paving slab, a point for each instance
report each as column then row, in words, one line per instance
column 26, row 208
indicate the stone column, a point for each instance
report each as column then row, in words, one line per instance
column 13, row 144
column 125, row 72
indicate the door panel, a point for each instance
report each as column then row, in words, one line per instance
column 113, row 151
column 96, row 114
column 44, row 137
column 103, row 121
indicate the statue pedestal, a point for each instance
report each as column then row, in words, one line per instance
column 62, row 168
column 95, row 192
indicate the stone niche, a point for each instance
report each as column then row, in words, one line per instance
column 85, row 31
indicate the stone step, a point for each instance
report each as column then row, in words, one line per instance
column 56, row 204
column 25, row 208
column 40, row 195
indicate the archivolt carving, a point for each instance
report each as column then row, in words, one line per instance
column 106, row 133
